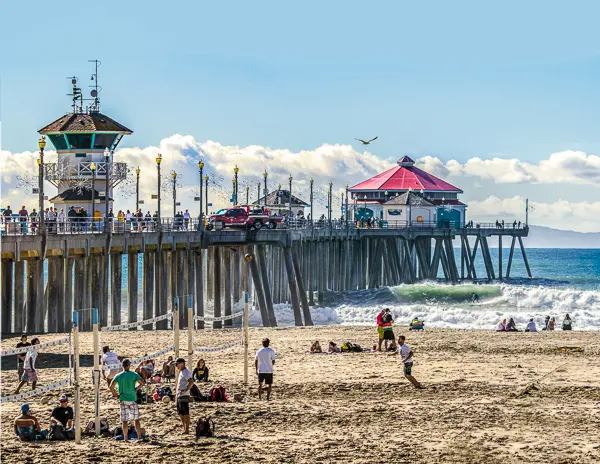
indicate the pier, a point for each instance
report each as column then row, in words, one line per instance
column 297, row 264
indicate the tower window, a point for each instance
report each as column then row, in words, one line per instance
column 104, row 141
column 80, row 140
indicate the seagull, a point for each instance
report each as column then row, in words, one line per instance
column 367, row 142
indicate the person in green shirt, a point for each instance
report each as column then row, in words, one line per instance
column 128, row 382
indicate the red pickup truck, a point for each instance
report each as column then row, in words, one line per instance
column 243, row 216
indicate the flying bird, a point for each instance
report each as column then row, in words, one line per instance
column 366, row 142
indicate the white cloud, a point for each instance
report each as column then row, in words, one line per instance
column 573, row 167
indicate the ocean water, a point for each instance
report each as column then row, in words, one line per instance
column 565, row 281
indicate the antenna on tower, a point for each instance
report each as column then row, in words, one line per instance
column 76, row 95
column 96, row 89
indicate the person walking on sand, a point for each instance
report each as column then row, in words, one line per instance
column 109, row 358
column 184, row 385
column 264, row 360
column 21, row 356
column 30, row 373
column 129, row 383
column 406, row 356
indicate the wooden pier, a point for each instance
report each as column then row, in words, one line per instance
column 299, row 266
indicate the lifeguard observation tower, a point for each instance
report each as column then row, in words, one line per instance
column 85, row 140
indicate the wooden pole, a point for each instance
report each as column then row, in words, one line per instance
column 77, row 392
column 176, row 325
column 190, row 329
column 246, row 298
column 96, row 371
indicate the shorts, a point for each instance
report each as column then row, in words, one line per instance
column 29, row 376
column 388, row 335
column 408, row 368
column 129, row 411
column 183, row 405
column 380, row 332
column 20, row 368
column 267, row 378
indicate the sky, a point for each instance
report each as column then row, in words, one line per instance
column 499, row 99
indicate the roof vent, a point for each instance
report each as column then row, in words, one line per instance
column 406, row 161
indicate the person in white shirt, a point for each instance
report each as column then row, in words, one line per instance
column 406, row 356
column 501, row 326
column 264, row 360
column 110, row 358
column 531, row 326
column 30, row 373
column 184, row 385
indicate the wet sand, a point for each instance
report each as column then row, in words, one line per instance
column 351, row 408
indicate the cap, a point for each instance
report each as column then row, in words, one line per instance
column 63, row 398
column 180, row 360
column 24, row 408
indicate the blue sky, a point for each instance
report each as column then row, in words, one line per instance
column 455, row 80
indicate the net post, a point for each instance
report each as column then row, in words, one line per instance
column 96, row 375
column 176, row 325
column 190, row 330
column 245, row 324
column 77, row 391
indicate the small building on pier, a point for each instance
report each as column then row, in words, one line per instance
column 279, row 201
column 406, row 193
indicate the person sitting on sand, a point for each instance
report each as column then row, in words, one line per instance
column 27, row 427
column 552, row 324
column 333, row 348
column 168, row 369
column 567, row 323
column 546, row 322
column 200, row 373
column 316, row 347
column 501, row 327
column 511, row 326
column 62, row 414
column 145, row 369
column 393, row 346
column 531, row 326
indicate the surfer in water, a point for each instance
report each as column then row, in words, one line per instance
column 474, row 298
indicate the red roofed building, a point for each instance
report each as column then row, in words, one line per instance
column 370, row 196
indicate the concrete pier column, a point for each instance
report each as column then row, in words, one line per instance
column 19, row 297
column 227, row 294
column 148, row 287
column 199, row 276
column 161, row 291
column 500, row 257
column 311, row 271
column 260, row 295
column 321, row 271
column 34, row 296
column 105, row 284
column 132, row 287
column 262, row 263
column 302, row 293
column 67, row 316
column 216, row 274
column 55, row 310
column 97, row 277
column 235, row 267
column 7, row 296
column 289, row 266
column 181, row 290
column 190, row 281
column 80, row 290
column 116, row 276
column 210, row 252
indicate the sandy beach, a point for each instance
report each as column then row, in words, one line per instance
column 350, row 408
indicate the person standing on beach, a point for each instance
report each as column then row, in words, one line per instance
column 379, row 322
column 184, row 385
column 109, row 358
column 128, row 383
column 30, row 374
column 264, row 360
column 21, row 356
column 406, row 356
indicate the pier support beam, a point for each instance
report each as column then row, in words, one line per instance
column 35, row 296
column 216, row 280
column 19, row 297
column 55, row 308
column 310, row 268
column 500, row 257
column 116, row 279
column 7, row 299
column 525, row 257
column 228, row 290
column 510, row 256
column 81, row 292
column 300, row 283
column 258, row 286
column 289, row 267
column 199, row 275
column 262, row 263
column 148, row 288
column 132, row 287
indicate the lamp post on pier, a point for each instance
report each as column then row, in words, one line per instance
column 93, row 169
column 107, row 172
column 312, row 218
column 329, row 201
column 290, row 198
column 233, row 199
column 158, row 161
column 174, row 176
column 200, row 168
column 40, row 161
column 258, row 198
column 206, row 193
column 235, row 185
column 265, row 175
column 247, row 194
column 137, row 189
column 346, row 213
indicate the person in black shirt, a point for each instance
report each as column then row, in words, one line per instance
column 62, row 414
column 21, row 357
column 200, row 373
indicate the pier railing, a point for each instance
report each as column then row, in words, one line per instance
column 87, row 225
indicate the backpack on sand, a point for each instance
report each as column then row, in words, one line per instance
column 217, row 394
column 90, row 428
column 205, row 428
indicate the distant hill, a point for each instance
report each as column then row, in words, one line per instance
column 545, row 237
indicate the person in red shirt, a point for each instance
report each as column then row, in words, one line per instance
column 379, row 321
